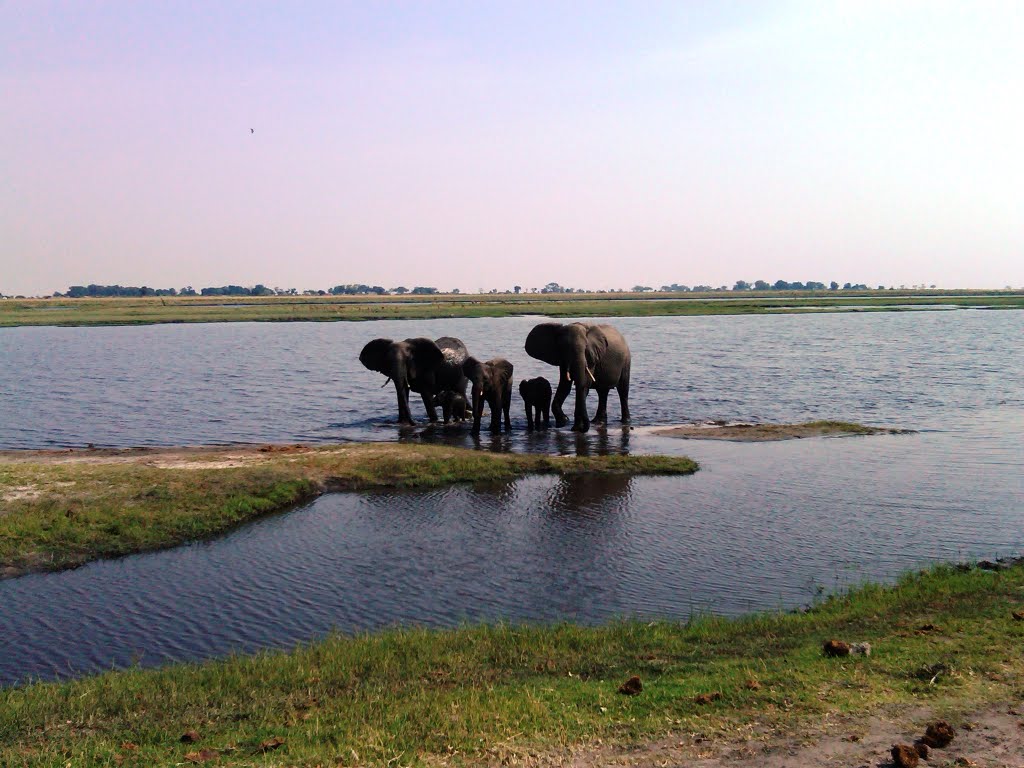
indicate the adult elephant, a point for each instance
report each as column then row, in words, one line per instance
column 418, row 365
column 588, row 356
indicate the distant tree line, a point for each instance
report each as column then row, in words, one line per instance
column 100, row 291
column 810, row 285
column 353, row 289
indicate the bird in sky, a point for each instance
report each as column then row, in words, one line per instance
column 252, row 130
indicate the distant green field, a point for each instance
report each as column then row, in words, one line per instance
column 217, row 309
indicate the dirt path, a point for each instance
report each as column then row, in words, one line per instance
column 183, row 457
column 990, row 738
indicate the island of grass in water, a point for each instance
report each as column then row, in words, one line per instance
column 749, row 432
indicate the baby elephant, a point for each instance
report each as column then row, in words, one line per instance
column 490, row 381
column 536, row 393
column 453, row 405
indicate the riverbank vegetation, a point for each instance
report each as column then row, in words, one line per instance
column 62, row 508
column 946, row 639
column 765, row 432
column 204, row 309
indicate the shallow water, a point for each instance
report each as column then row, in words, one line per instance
column 285, row 382
column 761, row 526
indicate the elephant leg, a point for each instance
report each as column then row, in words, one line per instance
column 507, row 406
column 428, row 403
column 581, row 421
column 446, row 410
column 495, row 405
column 623, row 389
column 564, row 387
column 601, row 417
column 547, row 416
column 529, row 417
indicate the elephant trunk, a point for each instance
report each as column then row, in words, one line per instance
column 478, row 406
column 402, row 391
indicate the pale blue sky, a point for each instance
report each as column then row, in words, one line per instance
column 483, row 145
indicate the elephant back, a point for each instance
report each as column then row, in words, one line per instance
column 454, row 355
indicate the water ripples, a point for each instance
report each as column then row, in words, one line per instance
column 759, row 527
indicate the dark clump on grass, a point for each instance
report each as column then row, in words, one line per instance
column 905, row 756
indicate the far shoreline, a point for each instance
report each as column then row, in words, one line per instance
column 67, row 312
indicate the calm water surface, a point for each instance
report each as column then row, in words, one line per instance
column 760, row 526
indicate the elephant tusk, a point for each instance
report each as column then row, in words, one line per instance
column 590, row 373
column 386, row 383
column 567, row 376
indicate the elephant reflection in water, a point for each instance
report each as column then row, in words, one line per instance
column 597, row 444
column 571, row 495
column 578, row 495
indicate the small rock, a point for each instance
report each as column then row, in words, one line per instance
column 964, row 762
column 631, row 687
column 938, row 734
column 189, row 737
column 904, row 756
column 1018, row 615
column 923, row 750
column 836, row 648
column 707, row 698
column 863, row 649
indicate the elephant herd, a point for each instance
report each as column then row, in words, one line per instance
column 586, row 355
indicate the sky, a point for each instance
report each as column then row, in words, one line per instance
column 482, row 145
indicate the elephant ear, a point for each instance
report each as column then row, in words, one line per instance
column 473, row 369
column 503, row 366
column 425, row 354
column 542, row 343
column 375, row 355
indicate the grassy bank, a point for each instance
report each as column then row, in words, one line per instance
column 944, row 638
column 137, row 311
column 61, row 509
column 763, row 432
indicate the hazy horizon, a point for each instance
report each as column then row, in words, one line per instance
column 485, row 145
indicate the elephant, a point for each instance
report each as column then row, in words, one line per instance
column 453, row 405
column 420, row 365
column 588, row 356
column 490, row 381
column 536, row 393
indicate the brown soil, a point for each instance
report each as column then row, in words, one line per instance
column 763, row 432
column 988, row 738
column 185, row 457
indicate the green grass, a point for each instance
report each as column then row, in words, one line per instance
column 58, row 513
column 493, row 693
column 134, row 311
